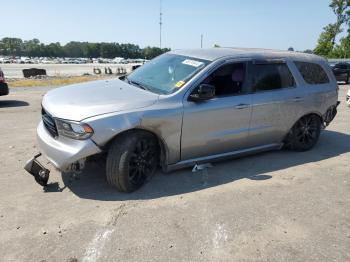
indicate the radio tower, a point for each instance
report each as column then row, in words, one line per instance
column 160, row 24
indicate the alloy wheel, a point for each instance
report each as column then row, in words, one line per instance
column 143, row 161
column 307, row 130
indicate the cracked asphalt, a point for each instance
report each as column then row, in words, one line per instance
column 276, row 206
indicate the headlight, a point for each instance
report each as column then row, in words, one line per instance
column 74, row 130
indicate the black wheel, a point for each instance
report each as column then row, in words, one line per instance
column 132, row 160
column 304, row 134
column 347, row 81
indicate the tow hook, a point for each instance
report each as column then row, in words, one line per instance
column 40, row 173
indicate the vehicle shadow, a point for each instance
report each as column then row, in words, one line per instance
column 92, row 184
column 13, row 103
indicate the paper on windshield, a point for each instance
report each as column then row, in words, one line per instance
column 179, row 84
column 193, row 63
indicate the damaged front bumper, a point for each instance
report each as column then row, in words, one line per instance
column 64, row 153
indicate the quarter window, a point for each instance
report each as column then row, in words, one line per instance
column 271, row 76
column 313, row 74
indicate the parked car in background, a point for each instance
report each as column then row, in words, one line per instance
column 348, row 98
column 187, row 107
column 4, row 90
column 341, row 71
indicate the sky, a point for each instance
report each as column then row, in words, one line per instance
column 277, row 24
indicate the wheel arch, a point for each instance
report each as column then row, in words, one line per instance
column 316, row 113
column 161, row 143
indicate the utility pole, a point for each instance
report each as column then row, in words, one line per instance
column 160, row 25
column 201, row 41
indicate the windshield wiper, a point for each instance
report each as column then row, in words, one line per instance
column 136, row 84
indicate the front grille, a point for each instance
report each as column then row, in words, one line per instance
column 49, row 123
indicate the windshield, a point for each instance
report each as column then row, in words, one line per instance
column 166, row 73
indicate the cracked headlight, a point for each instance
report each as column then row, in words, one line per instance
column 74, row 130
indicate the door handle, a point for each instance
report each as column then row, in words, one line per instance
column 241, row 106
column 297, row 99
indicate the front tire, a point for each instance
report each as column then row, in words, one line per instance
column 132, row 160
column 305, row 133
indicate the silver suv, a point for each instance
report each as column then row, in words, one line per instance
column 187, row 107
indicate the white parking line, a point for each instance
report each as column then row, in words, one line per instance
column 96, row 246
column 220, row 236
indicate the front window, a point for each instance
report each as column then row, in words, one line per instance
column 166, row 73
column 228, row 80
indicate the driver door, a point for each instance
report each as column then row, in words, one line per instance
column 221, row 124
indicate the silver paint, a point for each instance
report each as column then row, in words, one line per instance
column 189, row 132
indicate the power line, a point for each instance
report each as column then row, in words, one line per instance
column 160, row 24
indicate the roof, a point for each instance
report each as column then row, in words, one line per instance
column 212, row 54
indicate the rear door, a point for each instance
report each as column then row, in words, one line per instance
column 275, row 101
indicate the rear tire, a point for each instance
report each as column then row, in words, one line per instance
column 305, row 133
column 132, row 160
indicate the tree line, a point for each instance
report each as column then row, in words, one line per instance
column 328, row 44
column 34, row 48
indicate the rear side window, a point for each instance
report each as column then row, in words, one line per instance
column 271, row 76
column 313, row 74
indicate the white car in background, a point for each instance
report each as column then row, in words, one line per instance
column 348, row 98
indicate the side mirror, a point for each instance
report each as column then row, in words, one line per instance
column 204, row 92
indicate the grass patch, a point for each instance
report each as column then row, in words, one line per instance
column 52, row 81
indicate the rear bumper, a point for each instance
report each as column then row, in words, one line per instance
column 330, row 114
column 4, row 89
column 62, row 151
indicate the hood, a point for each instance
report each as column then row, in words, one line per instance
column 80, row 101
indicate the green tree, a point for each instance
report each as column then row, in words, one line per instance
column 12, row 46
column 151, row 52
column 341, row 50
column 33, row 48
column 327, row 40
column 308, row 51
column 73, row 49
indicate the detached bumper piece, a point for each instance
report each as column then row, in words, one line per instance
column 40, row 173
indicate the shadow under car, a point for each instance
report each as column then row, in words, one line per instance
column 12, row 103
column 92, row 183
